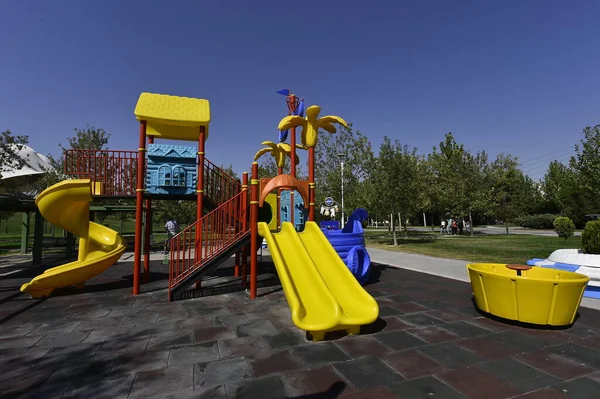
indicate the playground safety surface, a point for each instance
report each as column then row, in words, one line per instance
column 429, row 342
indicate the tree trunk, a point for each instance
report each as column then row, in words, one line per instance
column 506, row 225
column 471, row 224
column 393, row 227
column 402, row 224
column 432, row 225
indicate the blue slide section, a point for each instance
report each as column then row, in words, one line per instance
column 349, row 243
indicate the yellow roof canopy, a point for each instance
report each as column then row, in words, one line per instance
column 173, row 117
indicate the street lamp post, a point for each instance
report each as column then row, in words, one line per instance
column 342, row 157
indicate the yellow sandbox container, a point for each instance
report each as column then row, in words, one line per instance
column 527, row 294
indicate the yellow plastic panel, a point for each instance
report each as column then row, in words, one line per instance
column 539, row 296
column 322, row 293
column 272, row 201
column 173, row 117
column 358, row 306
column 312, row 305
column 66, row 205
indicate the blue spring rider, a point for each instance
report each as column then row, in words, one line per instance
column 349, row 243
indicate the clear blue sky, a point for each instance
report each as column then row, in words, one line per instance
column 521, row 77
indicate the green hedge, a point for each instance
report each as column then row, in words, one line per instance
column 590, row 237
column 542, row 221
column 564, row 227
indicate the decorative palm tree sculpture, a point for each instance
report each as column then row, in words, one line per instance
column 309, row 136
column 278, row 151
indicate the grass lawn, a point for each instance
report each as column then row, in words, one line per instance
column 492, row 248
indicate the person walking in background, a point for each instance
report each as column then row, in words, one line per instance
column 172, row 229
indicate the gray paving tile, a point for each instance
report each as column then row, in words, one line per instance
column 217, row 392
column 146, row 329
column 62, row 338
column 118, row 388
column 580, row 388
column 214, row 333
column 144, row 319
column 137, row 361
column 98, row 323
column 251, row 347
column 424, row 387
column 234, row 319
column 399, row 340
column 198, row 353
column 584, row 355
column 519, row 375
column 450, row 355
column 221, row 372
column 368, row 372
column 256, row 328
column 107, row 334
column 319, row 353
column 285, row 339
column 276, row 362
column 265, row 388
column 170, row 339
column 19, row 342
column 162, row 381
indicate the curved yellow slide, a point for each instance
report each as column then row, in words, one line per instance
column 322, row 293
column 66, row 205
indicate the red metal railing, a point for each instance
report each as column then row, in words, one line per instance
column 115, row 172
column 207, row 238
column 219, row 186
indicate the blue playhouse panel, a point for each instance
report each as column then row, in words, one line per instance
column 300, row 213
column 172, row 169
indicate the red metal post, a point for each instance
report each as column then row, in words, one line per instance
column 253, row 228
column 278, row 210
column 236, row 268
column 245, row 228
column 200, row 197
column 139, row 200
column 292, row 102
column 148, row 232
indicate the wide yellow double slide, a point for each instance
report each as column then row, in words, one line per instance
column 322, row 293
column 66, row 205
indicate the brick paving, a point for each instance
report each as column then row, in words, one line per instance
column 429, row 342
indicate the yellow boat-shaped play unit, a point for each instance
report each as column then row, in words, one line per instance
column 527, row 294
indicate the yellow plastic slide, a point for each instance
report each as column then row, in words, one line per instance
column 66, row 205
column 322, row 293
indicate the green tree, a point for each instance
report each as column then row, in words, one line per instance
column 509, row 189
column 90, row 138
column 457, row 180
column 358, row 160
column 586, row 164
column 399, row 180
column 10, row 146
column 557, row 184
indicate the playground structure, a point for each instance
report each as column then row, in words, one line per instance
column 527, row 294
column 66, row 205
column 349, row 243
column 322, row 293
